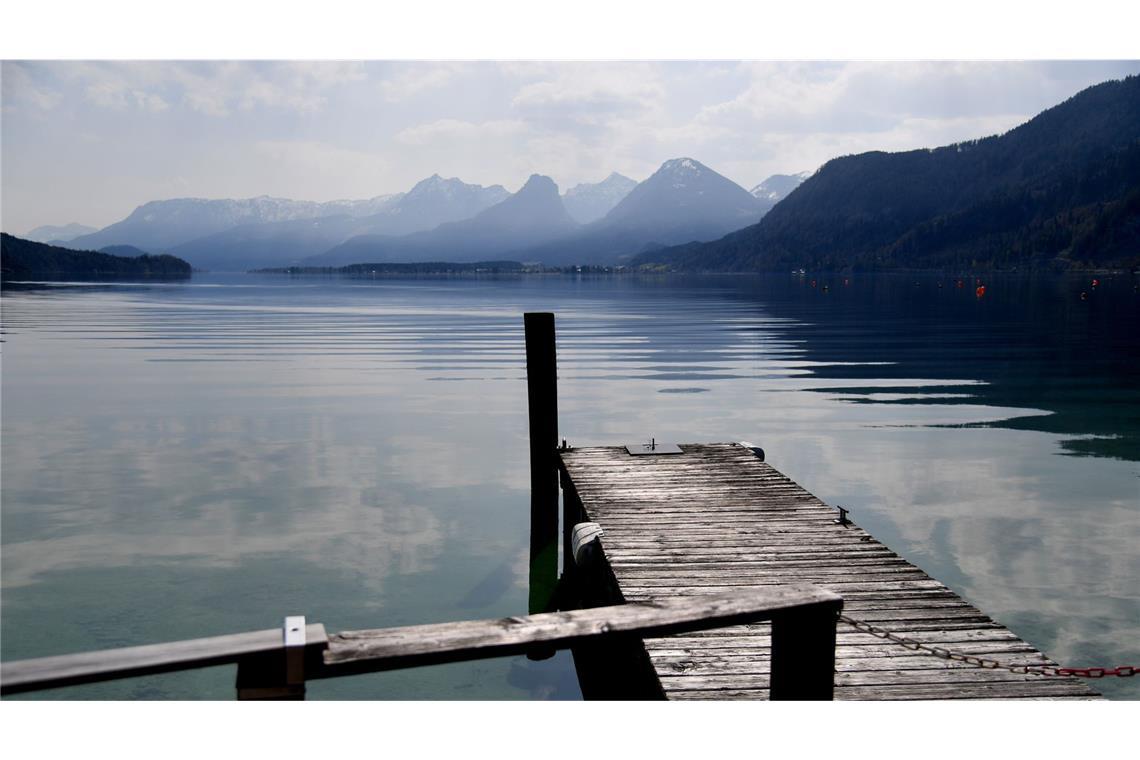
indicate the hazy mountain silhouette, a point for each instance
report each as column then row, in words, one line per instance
column 683, row 200
column 777, row 187
column 1062, row 189
column 532, row 216
column 432, row 202
column 159, row 225
column 58, row 233
column 249, row 246
column 684, row 197
column 589, row 202
column 429, row 203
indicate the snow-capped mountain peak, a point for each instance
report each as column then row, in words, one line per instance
column 683, row 171
column 683, row 166
column 778, row 186
column 683, row 192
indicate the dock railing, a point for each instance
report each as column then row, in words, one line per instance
column 276, row 663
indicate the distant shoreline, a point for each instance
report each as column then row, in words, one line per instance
column 438, row 268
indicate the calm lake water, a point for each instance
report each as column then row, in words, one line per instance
column 184, row 460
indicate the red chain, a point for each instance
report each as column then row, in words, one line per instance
column 1122, row 671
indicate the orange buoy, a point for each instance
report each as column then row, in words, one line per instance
column 981, row 291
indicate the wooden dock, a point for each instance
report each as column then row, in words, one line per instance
column 717, row 519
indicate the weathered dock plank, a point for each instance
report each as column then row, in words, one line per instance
column 716, row 519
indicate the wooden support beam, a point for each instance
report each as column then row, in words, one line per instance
column 542, row 404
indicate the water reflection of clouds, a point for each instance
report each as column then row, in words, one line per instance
column 212, row 493
column 1019, row 541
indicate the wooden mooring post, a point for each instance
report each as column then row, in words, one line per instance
column 542, row 403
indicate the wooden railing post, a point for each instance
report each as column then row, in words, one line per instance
column 262, row 677
column 803, row 652
column 276, row 675
column 542, row 400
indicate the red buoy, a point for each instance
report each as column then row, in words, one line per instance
column 981, row 291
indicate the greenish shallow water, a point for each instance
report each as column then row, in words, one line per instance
column 184, row 460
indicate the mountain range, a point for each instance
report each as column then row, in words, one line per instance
column 428, row 204
column 1062, row 190
column 532, row 216
column 682, row 201
column 160, row 225
column 442, row 219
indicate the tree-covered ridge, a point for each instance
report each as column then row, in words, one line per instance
column 1058, row 191
column 21, row 258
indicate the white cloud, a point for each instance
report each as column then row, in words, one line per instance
column 217, row 88
column 118, row 95
column 456, row 129
column 411, row 80
column 208, row 87
column 19, row 86
column 315, row 170
column 591, row 93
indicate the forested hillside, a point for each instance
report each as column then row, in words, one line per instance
column 21, row 258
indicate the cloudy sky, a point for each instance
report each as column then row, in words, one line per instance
column 89, row 141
